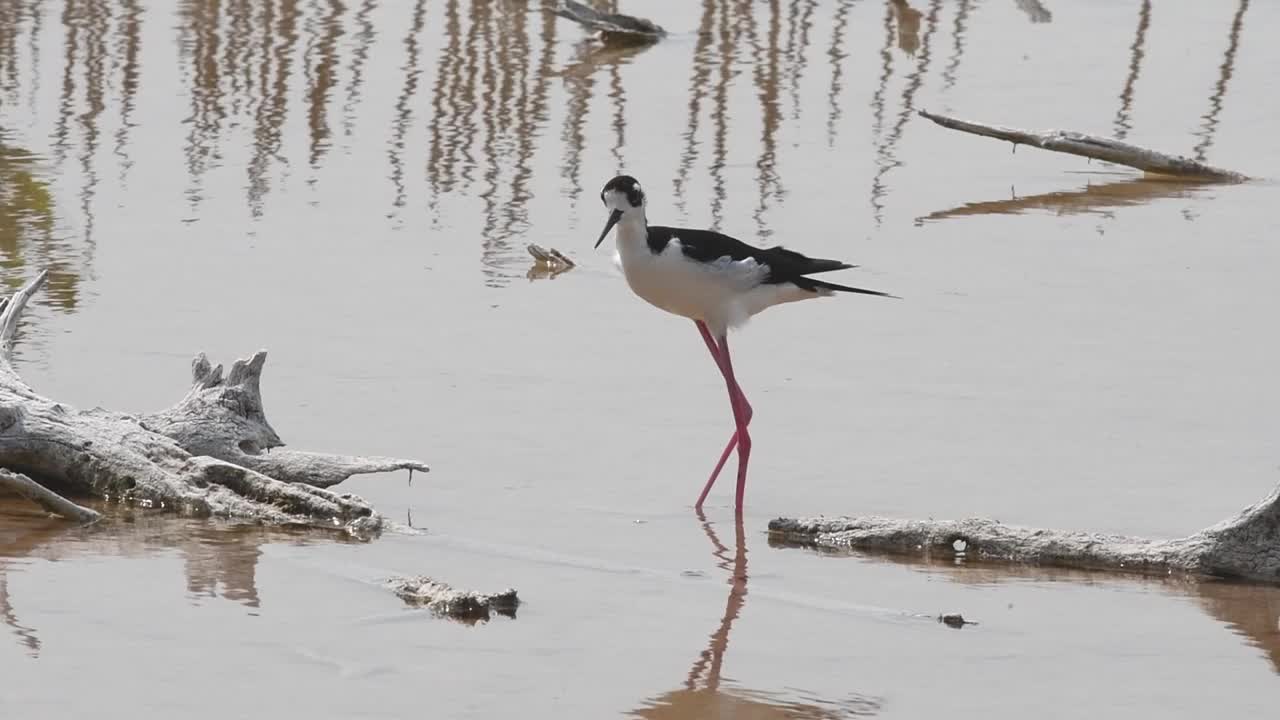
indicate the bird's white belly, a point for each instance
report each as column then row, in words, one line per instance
column 722, row 293
column 678, row 285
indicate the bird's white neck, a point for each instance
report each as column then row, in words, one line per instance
column 632, row 233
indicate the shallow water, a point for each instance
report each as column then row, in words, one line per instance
column 352, row 185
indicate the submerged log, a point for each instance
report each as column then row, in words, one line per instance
column 206, row 456
column 1245, row 547
column 1096, row 148
column 446, row 601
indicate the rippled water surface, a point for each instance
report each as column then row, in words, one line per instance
column 352, row 184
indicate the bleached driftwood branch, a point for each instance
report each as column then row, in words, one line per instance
column 1097, row 148
column 204, row 456
column 1246, row 546
column 44, row 497
column 442, row 599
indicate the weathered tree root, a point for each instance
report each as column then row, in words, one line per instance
column 1097, row 148
column 1245, row 547
column 446, row 601
column 202, row 457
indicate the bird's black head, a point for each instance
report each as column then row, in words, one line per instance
column 622, row 196
column 626, row 186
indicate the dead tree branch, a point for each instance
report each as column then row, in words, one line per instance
column 1246, row 546
column 44, row 497
column 1096, row 148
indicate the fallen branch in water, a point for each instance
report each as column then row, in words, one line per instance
column 1094, row 147
column 1244, row 547
column 447, row 601
column 44, row 497
column 207, row 455
column 612, row 26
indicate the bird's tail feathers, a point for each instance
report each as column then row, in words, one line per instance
column 818, row 286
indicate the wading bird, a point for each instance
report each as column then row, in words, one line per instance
column 718, row 282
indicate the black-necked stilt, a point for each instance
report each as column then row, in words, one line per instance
column 718, row 282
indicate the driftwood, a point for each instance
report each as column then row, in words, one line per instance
column 1246, row 546
column 447, row 601
column 613, row 27
column 44, row 497
column 547, row 262
column 1096, row 148
column 206, row 456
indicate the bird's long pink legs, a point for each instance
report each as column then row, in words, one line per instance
column 742, row 413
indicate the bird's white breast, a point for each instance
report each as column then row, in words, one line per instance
column 721, row 292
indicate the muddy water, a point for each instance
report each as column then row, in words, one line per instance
column 352, row 184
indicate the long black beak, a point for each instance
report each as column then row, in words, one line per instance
column 614, row 217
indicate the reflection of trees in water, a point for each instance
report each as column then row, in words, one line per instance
column 707, row 693
column 908, row 40
column 489, row 104
column 837, row 54
column 29, row 240
column 729, row 36
column 1209, row 121
column 411, row 70
column 1135, row 66
column 85, row 24
column 322, row 65
column 238, row 59
column 957, row 38
column 12, row 13
column 219, row 560
column 131, row 24
column 477, row 80
column 1220, row 88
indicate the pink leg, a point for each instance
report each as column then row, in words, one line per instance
column 742, row 417
column 736, row 398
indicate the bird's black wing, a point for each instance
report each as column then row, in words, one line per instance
column 708, row 246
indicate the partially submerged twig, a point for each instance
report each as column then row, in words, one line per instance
column 548, row 262
column 1097, row 148
column 1242, row 547
column 446, row 601
column 46, row 498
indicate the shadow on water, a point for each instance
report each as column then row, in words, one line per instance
column 1250, row 611
column 706, row 693
column 219, row 559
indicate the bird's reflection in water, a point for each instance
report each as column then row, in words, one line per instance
column 706, row 693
